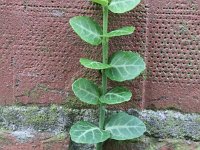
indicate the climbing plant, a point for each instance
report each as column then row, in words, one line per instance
column 121, row 66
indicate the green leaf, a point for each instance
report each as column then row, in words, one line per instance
column 102, row 2
column 122, row 31
column 86, row 91
column 87, row 133
column 87, row 29
column 116, row 96
column 125, row 127
column 122, row 6
column 126, row 65
column 93, row 64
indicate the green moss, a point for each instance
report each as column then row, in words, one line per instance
column 197, row 120
column 73, row 103
column 149, row 143
column 53, row 108
column 198, row 148
column 57, row 138
column 43, row 87
column 3, row 139
column 36, row 92
column 3, row 129
column 26, row 93
column 168, row 124
column 37, row 120
column 179, row 147
column 41, row 119
column 162, row 124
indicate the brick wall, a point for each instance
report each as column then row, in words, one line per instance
column 39, row 52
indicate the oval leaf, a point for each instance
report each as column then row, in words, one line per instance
column 86, row 91
column 122, row 6
column 87, row 29
column 122, row 31
column 126, row 65
column 93, row 64
column 116, row 96
column 102, row 2
column 125, row 127
column 87, row 133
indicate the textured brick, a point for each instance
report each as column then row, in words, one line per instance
column 40, row 52
column 40, row 142
column 173, row 55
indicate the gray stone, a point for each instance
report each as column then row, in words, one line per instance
column 58, row 119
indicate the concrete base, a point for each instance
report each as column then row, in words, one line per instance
column 46, row 128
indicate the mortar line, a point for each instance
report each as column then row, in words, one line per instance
column 145, row 55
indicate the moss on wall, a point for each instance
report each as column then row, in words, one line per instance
column 161, row 124
column 147, row 143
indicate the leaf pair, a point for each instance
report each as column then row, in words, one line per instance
column 121, row 126
column 119, row 6
column 91, row 32
column 89, row 92
column 122, row 6
column 102, row 2
column 123, row 65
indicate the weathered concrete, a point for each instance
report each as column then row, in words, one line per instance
column 27, row 123
column 51, row 119
column 146, row 143
column 167, row 124
column 34, row 128
column 57, row 119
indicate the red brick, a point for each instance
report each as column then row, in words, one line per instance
column 38, row 47
column 7, row 142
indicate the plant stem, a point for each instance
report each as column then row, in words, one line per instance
column 105, row 61
column 105, row 47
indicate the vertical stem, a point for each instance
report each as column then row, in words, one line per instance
column 105, row 47
column 105, row 61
